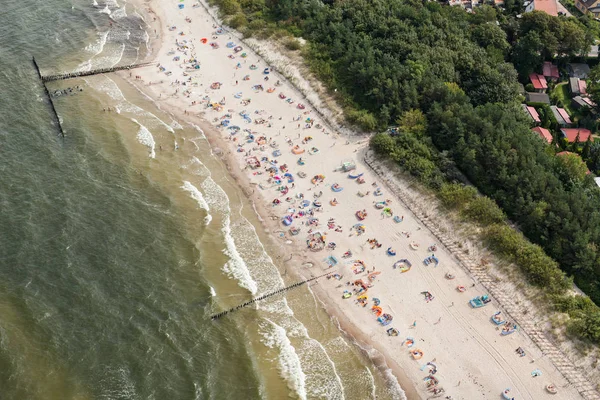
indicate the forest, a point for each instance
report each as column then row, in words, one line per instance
column 448, row 80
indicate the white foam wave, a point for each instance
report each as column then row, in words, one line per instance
column 176, row 125
column 95, row 3
column 111, row 57
column 322, row 378
column 203, row 170
column 236, row 266
column 212, row 291
column 199, row 130
column 105, row 10
column 145, row 137
column 118, row 14
column 108, row 86
column 215, row 195
column 98, row 46
column 197, row 195
column 289, row 362
column 394, row 386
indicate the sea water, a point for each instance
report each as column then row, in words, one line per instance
column 116, row 244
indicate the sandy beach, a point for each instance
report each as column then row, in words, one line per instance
column 291, row 163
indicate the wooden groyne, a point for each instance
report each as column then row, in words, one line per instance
column 53, row 109
column 285, row 289
column 98, row 71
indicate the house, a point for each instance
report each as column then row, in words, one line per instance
column 578, row 70
column 574, row 86
column 537, row 98
column 578, row 103
column 532, row 113
column 562, row 117
column 571, row 134
column 577, row 86
column 582, row 101
column 539, row 82
column 548, row 6
column 543, row 133
column 550, row 71
column 593, row 51
column 589, row 7
column 582, row 86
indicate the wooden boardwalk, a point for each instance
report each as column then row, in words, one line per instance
column 574, row 375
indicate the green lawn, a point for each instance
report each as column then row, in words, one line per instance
column 561, row 92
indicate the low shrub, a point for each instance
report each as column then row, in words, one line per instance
column 455, row 195
column 539, row 269
column 484, row 210
column 292, row 44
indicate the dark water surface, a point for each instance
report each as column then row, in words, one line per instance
column 118, row 241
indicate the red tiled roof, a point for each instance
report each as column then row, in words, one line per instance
column 571, row 134
column 538, row 81
column 547, row 6
column 589, row 101
column 563, row 113
column 544, row 133
column 534, row 114
column 550, row 70
column 582, row 86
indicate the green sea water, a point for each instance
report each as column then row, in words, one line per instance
column 118, row 241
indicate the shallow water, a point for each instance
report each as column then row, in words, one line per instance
column 118, row 241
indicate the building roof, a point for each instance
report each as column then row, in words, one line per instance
column 538, row 81
column 564, row 114
column 544, row 133
column 562, row 117
column 589, row 101
column 582, row 86
column 550, row 70
column 580, row 101
column 537, row 98
column 571, row 134
column 547, row 6
column 589, row 3
column 574, row 86
column 579, row 70
column 534, row 114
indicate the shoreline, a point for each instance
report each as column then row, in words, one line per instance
column 344, row 314
column 382, row 361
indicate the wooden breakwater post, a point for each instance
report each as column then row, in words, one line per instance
column 98, row 71
column 51, row 102
column 278, row 291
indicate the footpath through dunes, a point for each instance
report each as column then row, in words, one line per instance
column 279, row 143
